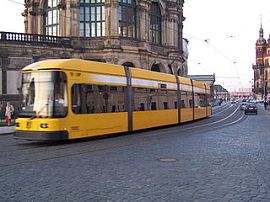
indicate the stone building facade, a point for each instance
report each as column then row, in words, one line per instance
column 144, row 34
column 141, row 33
column 262, row 67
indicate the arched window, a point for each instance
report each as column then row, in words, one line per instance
column 127, row 18
column 128, row 64
column 179, row 72
column 155, row 68
column 155, row 23
column 92, row 18
column 51, row 18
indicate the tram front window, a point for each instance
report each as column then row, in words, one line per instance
column 44, row 95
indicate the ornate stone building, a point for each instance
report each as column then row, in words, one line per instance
column 140, row 33
column 262, row 66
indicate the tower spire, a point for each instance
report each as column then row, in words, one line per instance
column 261, row 29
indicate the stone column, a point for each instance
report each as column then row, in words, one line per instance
column 3, row 69
column 143, row 20
column 111, row 16
column 74, row 26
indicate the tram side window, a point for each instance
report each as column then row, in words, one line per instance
column 186, row 99
column 203, row 101
column 167, row 99
column 172, row 99
column 207, row 100
column 199, row 100
column 76, row 99
column 104, row 99
column 140, row 99
column 196, row 100
column 153, row 99
column 163, row 99
column 61, row 97
column 89, row 97
column 175, row 105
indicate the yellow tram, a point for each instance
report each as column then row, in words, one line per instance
column 72, row 98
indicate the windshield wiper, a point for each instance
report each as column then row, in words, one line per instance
column 32, row 117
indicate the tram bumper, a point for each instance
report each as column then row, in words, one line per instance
column 41, row 135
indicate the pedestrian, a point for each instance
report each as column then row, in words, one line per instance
column 265, row 105
column 9, row 113
column 220, row 102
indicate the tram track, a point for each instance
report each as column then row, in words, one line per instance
column 222, row 109
column 81, row 147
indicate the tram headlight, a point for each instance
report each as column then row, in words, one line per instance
column 44, row 125
column 18, row 124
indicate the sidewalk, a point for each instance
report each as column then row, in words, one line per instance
column 6, row 130
column 222, row 104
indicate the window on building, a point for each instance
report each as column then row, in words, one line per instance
column 92, row 18
column 128, row 64
column 267, row 62
column 155, row 68
column 155, row 23
column 127, row 18
column 51, row 18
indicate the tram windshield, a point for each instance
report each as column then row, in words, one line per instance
column 44, row 95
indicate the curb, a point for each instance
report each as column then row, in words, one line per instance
column 7, row 130
column 8, row 133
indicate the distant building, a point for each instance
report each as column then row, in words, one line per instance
column 242, row 93
column 221, row 93
column 262, row 66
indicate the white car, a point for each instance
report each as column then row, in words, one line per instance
column 243, row 105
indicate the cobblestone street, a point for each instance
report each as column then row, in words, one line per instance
column 228, row 164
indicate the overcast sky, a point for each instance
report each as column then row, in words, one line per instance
column 221, row 34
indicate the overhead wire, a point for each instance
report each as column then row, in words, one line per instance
column 207, row 41
column 16, row 2
column 200, row 65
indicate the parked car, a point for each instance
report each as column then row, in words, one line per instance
column 243, row 105
column 251, row 108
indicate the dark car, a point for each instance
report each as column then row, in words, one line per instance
column 251, row 108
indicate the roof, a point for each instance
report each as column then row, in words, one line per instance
column 208, row 79
column 202, row 77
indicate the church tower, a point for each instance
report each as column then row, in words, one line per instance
column 261, row 68
column 260, row 48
